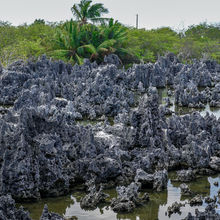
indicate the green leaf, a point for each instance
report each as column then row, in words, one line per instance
column 90, row 48
column 107, row 44
column 79, row 59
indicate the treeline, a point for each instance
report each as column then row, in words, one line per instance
column 72, row 41
column 198, row 41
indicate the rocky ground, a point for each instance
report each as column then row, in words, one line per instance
column 45, row 151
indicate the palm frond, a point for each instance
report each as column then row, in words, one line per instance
column 59, row 53
column 79, row 59
column 84, row 9
column 76, row 12
column 107, row 44
column 89, row 48
column 97, row 10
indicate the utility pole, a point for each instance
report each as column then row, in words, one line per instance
column 137, row 21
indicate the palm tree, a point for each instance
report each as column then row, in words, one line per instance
column 109, row 40
column 115, row 31
column 69, row 41
column 85, row 11
column 74, row 41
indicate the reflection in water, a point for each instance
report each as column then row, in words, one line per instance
column 162, row 92
column 175, row 195
column 185, row 110
column 99, row 213
column 69, row 206
column 58, row 205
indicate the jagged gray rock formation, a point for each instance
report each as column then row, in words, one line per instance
column 215, row 163
column 197, row 200
column 185, row 190
column 46, row 215
column 209, row 200
column 156, row 181
column 95, row 197
column 193, row 139
column 112, row 59
column 128, row 198
column 215, row 96
column 44, row 150
column 189, row 96
column 174, row 208
column 209, row 213
column 9, row 211
column 185, row 175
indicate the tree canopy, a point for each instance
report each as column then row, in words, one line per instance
column 74, row 40
column 85, row 11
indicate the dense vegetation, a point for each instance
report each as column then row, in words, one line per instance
column 77, row 39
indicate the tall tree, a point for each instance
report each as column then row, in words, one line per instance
column 85, row 11
column 69, row 41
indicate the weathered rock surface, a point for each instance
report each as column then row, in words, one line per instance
column 208, row 214
column 160, row 180
column 185, row 175
column 45, row 151
column 189, row 96
column 9, row 211
column 46, row 215
column 156, row 181
column 197, row 200
column 174, row 208
column 128, row 198
column 194, row 140
column 112, row 59
column 208, row 199
column 215, row 163
column 185, row 190
column 95, row 197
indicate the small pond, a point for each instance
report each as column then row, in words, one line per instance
column 186, row 110
column 69, row 206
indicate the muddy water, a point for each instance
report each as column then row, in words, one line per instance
column 185, row 110
column 177, row 109
column 69, row 206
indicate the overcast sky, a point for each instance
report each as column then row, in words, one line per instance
column 152, row 13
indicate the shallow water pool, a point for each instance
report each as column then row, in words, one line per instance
column 69, row 206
